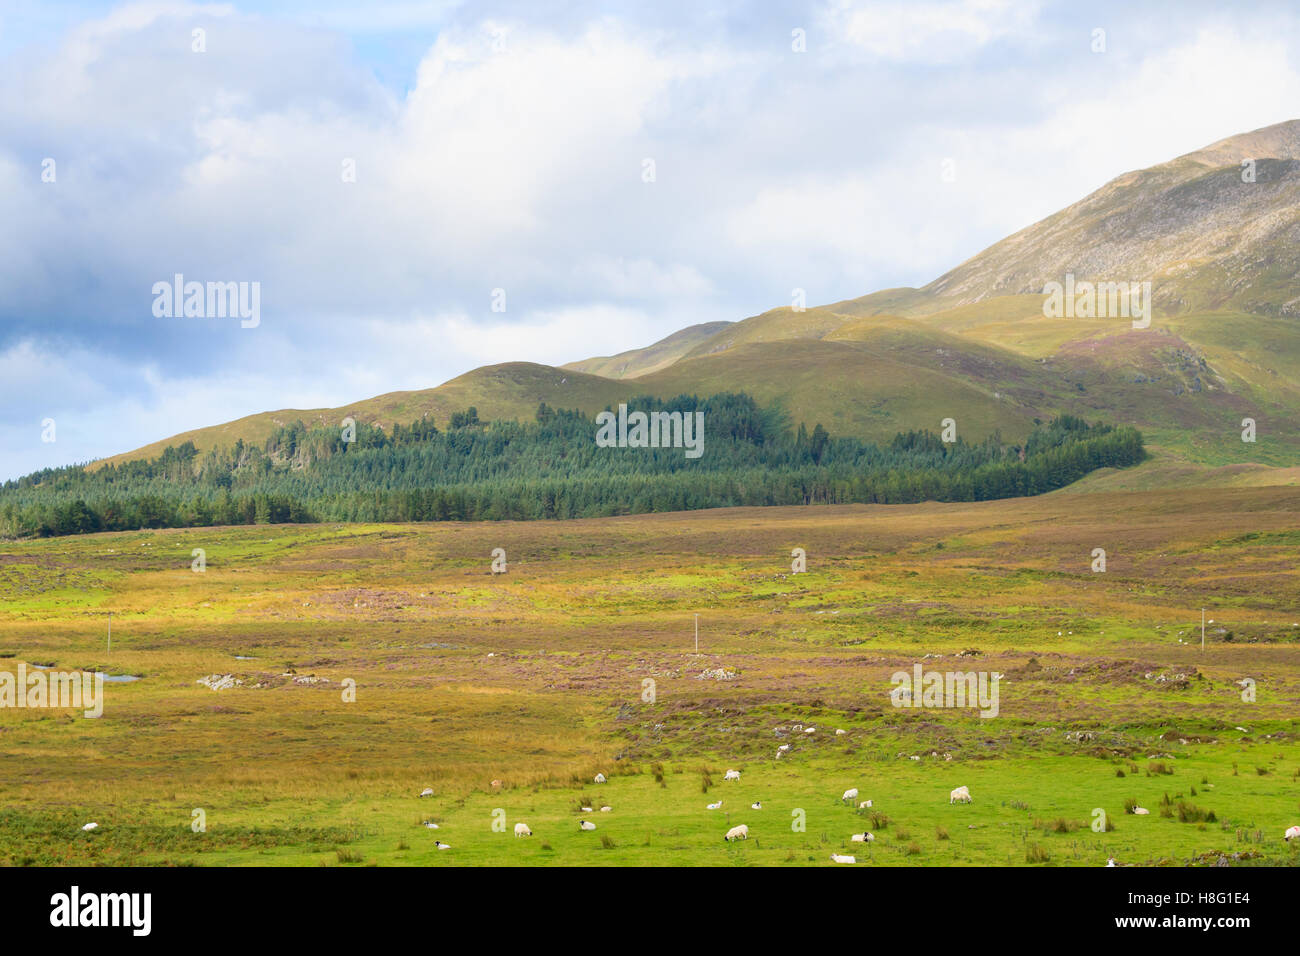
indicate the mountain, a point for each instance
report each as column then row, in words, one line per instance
column 1222, row 255
column 1205, row 238
column 636, row 362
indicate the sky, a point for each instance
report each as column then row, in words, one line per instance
column 419, row 189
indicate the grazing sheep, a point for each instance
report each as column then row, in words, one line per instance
column 600, row 778
column 586, row 825
column 441, row 846
column 1141, row 811
column 427, row 792
column 843, row 858
column 714, row 806
column 839, row 732
column 961, row 794
column 756, row 805
column 731, row 775
column 783, row 748
column 850, row 794
column 738, row 833
column 1292, row 833
column 521, row 829
column 90, row 826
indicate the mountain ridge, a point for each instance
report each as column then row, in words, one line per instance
column 1222, row 255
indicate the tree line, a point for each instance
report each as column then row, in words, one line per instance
column 549, row 467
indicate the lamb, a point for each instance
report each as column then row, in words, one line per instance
column 961, row 794
column 731, row 775
column 521, row 829
column 738, row 833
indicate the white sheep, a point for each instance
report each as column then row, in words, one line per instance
column 960, row 795
column 756, row 805
column 521, row 829
column 427, row 792
column 714, row 806
column 850, row 794
column 1292, row 833
column 731, row 775
column 90, row 826
column 863, row 838
column 600, row 778
column 429, row 824
column 843, row 858
column 441, row 846
column 738, row 833
column 1110, row 861
column 586, row 825
column 586, row 809
column 864, row 805
column 606, row 809
column 1141, row 811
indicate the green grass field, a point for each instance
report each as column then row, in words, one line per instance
column 536, row 678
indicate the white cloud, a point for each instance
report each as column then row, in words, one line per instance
column 926, row 30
